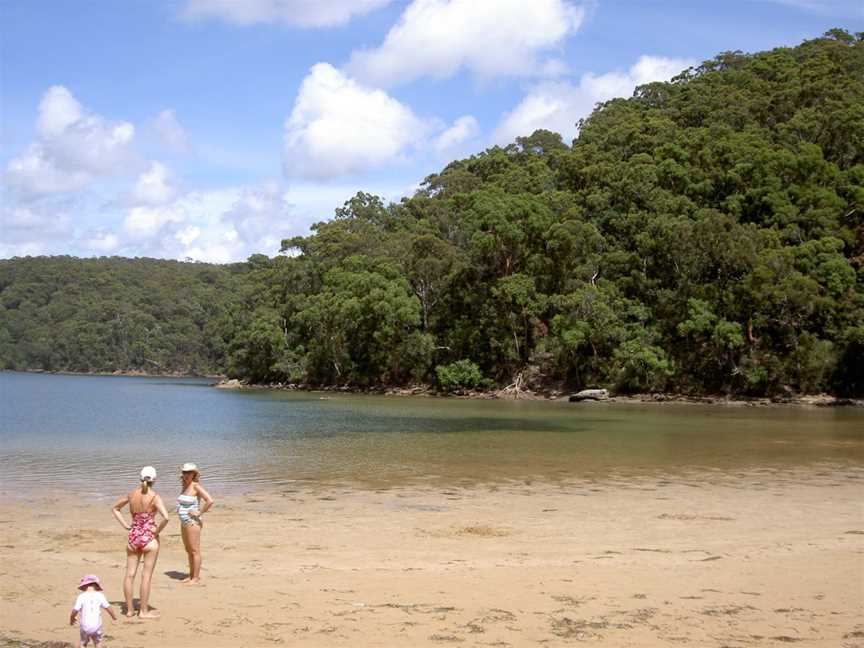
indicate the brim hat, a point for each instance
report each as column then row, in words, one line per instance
column 189, row 467
column 89, row 579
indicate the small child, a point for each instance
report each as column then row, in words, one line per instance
column 89, row 603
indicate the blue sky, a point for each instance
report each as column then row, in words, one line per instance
column 212, row 129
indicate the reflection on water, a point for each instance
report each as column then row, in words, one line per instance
column 93, row 433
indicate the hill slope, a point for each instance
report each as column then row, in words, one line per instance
column 113, row 314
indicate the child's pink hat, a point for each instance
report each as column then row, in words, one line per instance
column 89, row 579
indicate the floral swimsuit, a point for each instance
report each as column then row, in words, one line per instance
column 143, row 530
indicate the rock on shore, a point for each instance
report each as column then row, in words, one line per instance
column 590, row 394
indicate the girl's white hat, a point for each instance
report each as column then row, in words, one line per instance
column 148, row 474
column 189, row 467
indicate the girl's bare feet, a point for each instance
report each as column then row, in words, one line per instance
column 149, row 614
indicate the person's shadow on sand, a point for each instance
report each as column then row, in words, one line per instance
column 176, row 575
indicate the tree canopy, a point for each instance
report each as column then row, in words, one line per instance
column 114, row 314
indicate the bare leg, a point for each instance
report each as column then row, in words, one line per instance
column 131, row 570
column 184, row 533
column 151, row 553
column 193, row 532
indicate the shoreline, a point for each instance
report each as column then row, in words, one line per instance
column 649, row 563
column 118, row 373
column 549, row 395
column 558, row 396
column 336, row 489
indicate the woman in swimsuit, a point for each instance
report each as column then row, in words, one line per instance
column 144, row 503
column 190, row 514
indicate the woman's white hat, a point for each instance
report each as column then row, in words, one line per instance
column 189, row 467
column 148, row 474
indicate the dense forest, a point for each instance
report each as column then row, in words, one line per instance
column 114, row 314
column 704, row 236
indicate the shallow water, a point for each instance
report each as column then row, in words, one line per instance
column 93, row 433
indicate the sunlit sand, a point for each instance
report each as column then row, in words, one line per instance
column 765, row 559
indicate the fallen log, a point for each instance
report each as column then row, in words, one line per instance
column 515, row 388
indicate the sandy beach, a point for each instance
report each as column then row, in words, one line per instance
column 761, row 559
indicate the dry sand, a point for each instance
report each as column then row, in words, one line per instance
column 762, row 560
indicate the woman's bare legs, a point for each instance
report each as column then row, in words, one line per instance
column 128, row 581
column 184, row 533
column 151, row 553
column 192, row 541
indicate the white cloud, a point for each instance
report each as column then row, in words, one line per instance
column 155, row 186
column 76, row 140
column 214, row 226
column 35, row 173
column 218, row 226
column 168, row 230
column 657, row 68
column 338, row 127
column 33, row 229
column 259, row 216
column 72, row 149
column 58, row 110
column 171, row 132
column 230, row 225
column 298, row 13
column 212, row 253
column 144, row 222
column 101, row 242
column 438, row 38
column 462, row 130
column 557, row 106
column 10, row 249
column 188, row 234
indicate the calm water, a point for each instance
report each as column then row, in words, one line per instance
column 92, row 434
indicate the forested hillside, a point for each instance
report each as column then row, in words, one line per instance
column 113, row 314
column 704, row 235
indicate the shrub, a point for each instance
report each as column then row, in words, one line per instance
column 462, row 374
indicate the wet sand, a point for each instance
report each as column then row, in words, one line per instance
column 765, row 559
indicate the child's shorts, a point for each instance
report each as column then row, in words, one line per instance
column 86, row 636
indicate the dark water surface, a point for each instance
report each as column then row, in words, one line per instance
column 93, row 433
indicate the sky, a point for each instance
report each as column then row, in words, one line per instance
column 211, row 130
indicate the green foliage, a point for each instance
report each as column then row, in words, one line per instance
column 641, row 367
column 257, row 350
column 352, row 327
column 462, row 374
column 113, row 314
column 705, row 235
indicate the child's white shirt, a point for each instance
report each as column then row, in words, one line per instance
column 89, row 604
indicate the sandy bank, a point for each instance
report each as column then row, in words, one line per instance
column 771, row 560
